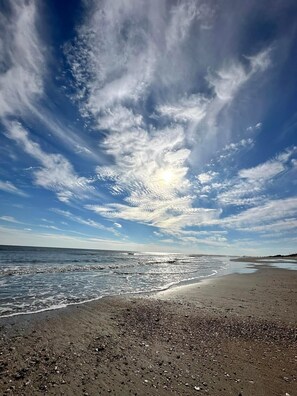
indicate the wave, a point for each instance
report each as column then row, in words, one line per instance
column 49, row 261
column 33, row 270
column 68, row 302
column 48, row 270
column 44, row 283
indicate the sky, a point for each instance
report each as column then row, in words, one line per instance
column 149, row 125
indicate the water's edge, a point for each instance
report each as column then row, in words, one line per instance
column 228, row 267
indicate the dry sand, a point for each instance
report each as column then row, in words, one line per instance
column 234, row 335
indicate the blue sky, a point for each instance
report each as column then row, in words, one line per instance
column 149, row 125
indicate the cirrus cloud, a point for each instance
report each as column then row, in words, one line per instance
column 56, row 173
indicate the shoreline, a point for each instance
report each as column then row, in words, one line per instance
column 218, row 292
column 225, row 335
column 251, row 264
column 97, row 299
column 172, row 292
column 123, row 295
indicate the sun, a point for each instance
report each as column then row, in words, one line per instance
column 167, row 176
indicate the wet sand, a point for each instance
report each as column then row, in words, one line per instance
column 234, row 335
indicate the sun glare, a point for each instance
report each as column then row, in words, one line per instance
column 167, row 176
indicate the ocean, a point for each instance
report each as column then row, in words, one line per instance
column 34, row 279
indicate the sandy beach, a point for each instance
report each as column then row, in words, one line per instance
column 233, row 335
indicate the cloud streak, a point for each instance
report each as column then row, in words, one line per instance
column 10, row 219
column 9, row 187
column 87, row 222
column 167, row 119
column 117, row 62
column 279, row 212
column 22, row 60
column 56, row 173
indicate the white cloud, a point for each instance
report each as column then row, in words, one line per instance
column 206, row 177
column 129, row 52
column 181, row 19
column 278, row 227
column 119, row 118
column 9, row 236
column 7, row 186
column 260, row 61
column 249, row 186
column 56, row 173
column 21, row 55
column 213, row 242
column 113, row 60
column 47, row 221
column 9, row 219
column 168, row 216
column 269, row 213
column 263, row 171
column 150, row 173
column 84, row 221
column 233, row 148
column 229, row 79
column 51, row 227
column 150, row 167
column 125, row 49
column 189, row 109
column 154, row 163
column 253, row 128
column 240, row 194
column 158, row 234
column 216, row 127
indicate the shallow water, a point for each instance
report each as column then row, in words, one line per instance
column 288, row 265
column 36, row 279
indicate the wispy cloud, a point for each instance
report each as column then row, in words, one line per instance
column 117, row 61
column 188, row 109
column 167, row 119
column 206, row 177
column 127, row 51
column 263, row 172
column 87, row 222
column 169, row 217
column 229, row 79
column 21, row 58
column 253, row 128
column 24, row 74
column 56, row 172
column 10, row 219
column 279, row 212
column 249, row 186
column 32, row 238
column 150, row 174
column 277, row 228
column 7, row 186
column 111, row 61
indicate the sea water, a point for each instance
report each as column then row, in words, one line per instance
column 33, row 279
